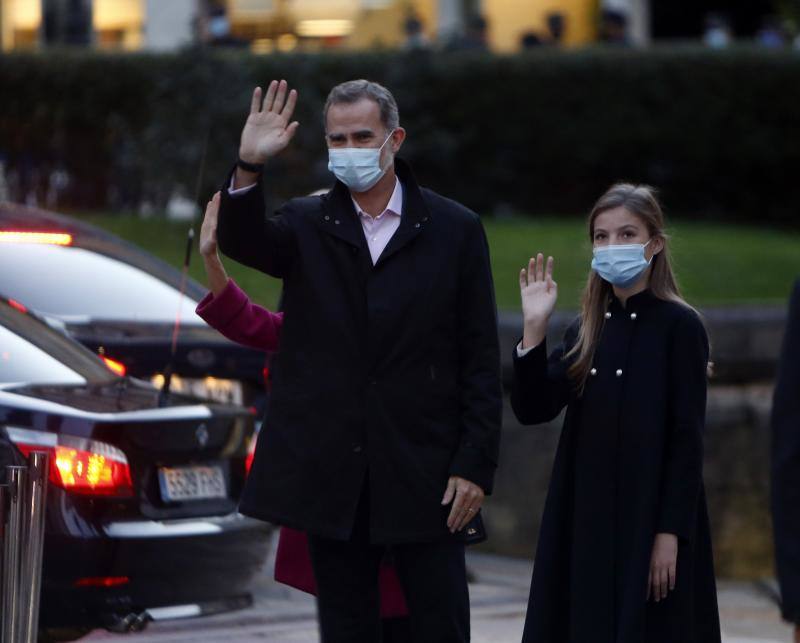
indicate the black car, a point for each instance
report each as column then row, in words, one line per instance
column 122, row 302
column 141, row 517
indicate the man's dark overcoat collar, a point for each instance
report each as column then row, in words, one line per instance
column 340, row 219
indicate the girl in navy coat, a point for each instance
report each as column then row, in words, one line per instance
column 624, row 552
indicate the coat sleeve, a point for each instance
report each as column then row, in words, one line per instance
column 247, row 235
column 786, row 464
column 240, row 320
column 682, row 472
column 541, row 386
column 480, row 389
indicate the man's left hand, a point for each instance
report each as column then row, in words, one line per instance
column 466, row 497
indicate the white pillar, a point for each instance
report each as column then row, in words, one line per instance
column 169, row 25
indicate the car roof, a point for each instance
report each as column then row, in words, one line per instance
column 15, row 216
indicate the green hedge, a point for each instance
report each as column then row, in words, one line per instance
column 718, row 132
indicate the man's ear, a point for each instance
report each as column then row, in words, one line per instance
column 398, row 136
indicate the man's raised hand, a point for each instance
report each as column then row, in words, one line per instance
column 268, row 128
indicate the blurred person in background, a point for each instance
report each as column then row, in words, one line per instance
column 717, row 33
column 218, row 29
column 474, row 38
column 772, row 34
column 786, row 467
column 530, row 40
column 415, row 38
column 614, row 27
column 624, row 552
column 383, row 424
column 556, row 26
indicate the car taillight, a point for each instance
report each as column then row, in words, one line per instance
column 102, row 581
column 17, row 305
column 251, row 453
column 78, row 465
column 32, row 236
column 114, row 365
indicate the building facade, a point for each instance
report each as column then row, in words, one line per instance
column 309, row 25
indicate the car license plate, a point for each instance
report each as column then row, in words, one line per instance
column 191, row 483
column 210, row 388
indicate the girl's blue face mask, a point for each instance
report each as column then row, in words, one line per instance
column 620, row 265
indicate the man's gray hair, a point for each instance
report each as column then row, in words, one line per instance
column 354, row 90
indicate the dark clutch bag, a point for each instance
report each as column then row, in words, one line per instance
column 474, row 531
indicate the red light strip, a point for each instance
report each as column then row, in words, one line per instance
column 47, row 238
column 102, row 581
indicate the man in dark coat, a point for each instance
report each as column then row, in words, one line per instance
column 786, row 467
column 384, row 419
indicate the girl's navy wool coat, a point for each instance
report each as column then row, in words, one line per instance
column 628, row 466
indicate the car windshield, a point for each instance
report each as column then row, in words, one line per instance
column 33, row 353
column 77, row 284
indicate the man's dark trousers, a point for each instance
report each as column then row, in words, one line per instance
column 433, row 576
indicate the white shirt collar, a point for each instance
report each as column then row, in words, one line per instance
column 395, row 205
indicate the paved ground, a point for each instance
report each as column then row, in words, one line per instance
column 498, row 599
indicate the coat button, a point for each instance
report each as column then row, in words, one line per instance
column 619, row 372
column 416, row 225
column 593, row 371
column 633, row 316
column 357, row 448
column 336, row 221
column 608, row 315
column 424, row 219
column 327, row 217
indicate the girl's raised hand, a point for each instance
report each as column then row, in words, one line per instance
column 208, row 231
column 538, row 292
column 537, row 289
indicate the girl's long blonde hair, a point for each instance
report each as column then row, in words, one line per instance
column 641, row 201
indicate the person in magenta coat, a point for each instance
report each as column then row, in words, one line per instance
column 228, row 309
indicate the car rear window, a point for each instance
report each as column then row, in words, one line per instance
column 21, row 361
column 31, row 352
column 77, row 284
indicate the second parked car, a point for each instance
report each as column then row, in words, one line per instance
column 122, row 302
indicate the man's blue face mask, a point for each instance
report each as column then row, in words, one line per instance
column 359, row 168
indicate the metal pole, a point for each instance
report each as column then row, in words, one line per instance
column 3, row 511
column 33, row 544
column 17, row 481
